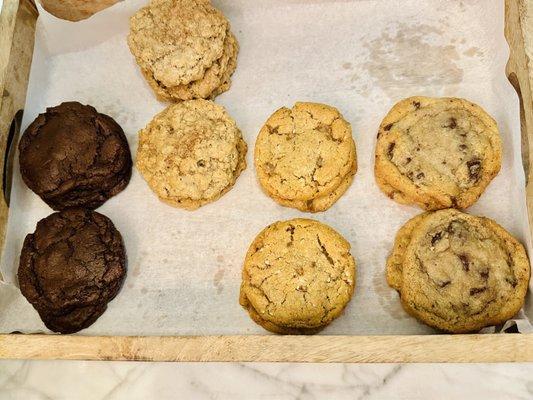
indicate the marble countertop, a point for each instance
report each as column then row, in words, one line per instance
column 40, row 380
column 56, row 380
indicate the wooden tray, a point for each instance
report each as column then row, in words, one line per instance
column 17, row 29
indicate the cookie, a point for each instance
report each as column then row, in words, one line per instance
column 459, row 272
column 71, row 267
column 191, row 153
column 298, row 276
column 177, row 40
column 74, row 156
column 305, row 157
column 321, row 203
column 75, row 10
column 395, row 259
column 437, row 152
column 215, row 81
column 185, row 48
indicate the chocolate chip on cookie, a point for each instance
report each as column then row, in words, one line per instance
column 298, row 276
column 74, row 156
column 457, row 272
column 191, row 153
column 305, row 157
column 71, row 267
column 437, row 152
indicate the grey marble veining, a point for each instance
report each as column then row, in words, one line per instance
column 44, row 380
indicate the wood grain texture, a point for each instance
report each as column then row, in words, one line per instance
column 320, row 348
column 519, row 34
column 17, row 32
column 429, row 348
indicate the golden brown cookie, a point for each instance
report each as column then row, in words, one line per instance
column 177, row 40
column 298, row 276
column 459, row 272
column 395, row 259
column 215, row 80
column 185, row 48
column 75, row 10
column 321, row 203
column 437, row 152
column 305, row 157
column 191, row 153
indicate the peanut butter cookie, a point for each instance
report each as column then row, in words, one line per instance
column 305, row 157
column 437, row 152
column 459, row 273
column 191, row 153
column 298, row 276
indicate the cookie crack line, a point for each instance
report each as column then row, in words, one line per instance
column 324, row 251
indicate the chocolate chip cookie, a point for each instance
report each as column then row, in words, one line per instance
column 74, row 156
column 305, row 157
column 191, row 153
column 457, row 272
column 184, row 47
column 437, row 152
column 71, row 267
column 298, row 276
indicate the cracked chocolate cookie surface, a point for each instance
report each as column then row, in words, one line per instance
column 191, row 153
column 437, row 152
column 457, row 272
column 71, row 267
column 74, row 156
column 298, row 276
column 305, row 157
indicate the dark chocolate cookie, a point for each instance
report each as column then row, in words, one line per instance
column 73, row 156
column 71, row 267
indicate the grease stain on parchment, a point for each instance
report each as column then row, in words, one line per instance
column 111, row 107
column 473, row 52
column 410, row 56
column 388, row 297
column 218, row 279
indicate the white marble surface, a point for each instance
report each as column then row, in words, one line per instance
column 42, row 380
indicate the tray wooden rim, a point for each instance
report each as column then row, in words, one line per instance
column 271, row 348
column 488, row 348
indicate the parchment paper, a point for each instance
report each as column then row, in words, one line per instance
column 361, row 56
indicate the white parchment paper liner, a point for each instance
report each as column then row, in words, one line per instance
column 361, row 56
